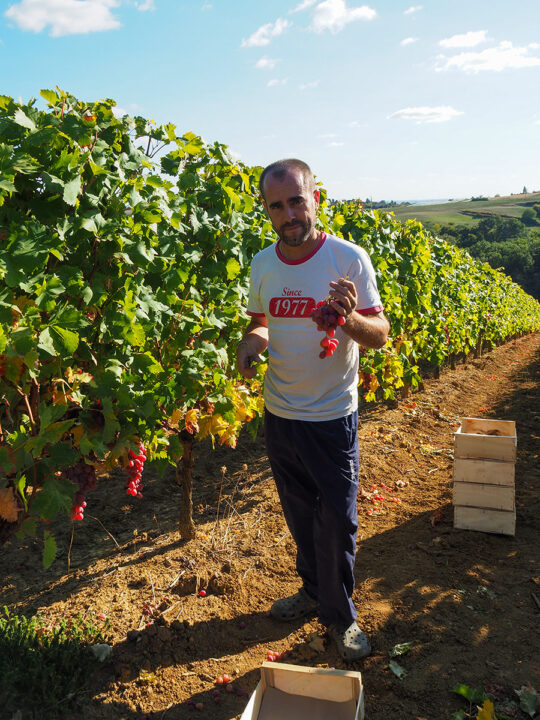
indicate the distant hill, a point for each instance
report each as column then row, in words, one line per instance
column 467, row 212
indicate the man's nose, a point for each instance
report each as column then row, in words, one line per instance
column 289, row 211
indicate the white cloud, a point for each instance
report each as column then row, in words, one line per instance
column 119, row 112
column 408, row 41
column 65, row 17
column 336, row 144
column 266, row 63
column 334, row 15
column 425, row 114
column 145, row 5
column 326, row 136
column 207, row 6
column 309, row 85
column 413, row 9
column 469, row 39
column 276, row 81
column 503, row 57
column 303, row 5
column 265, row 33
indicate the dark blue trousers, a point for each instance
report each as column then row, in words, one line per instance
column 315, row 467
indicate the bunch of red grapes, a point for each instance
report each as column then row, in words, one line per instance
column 84, row 476
column 327, row 320
column 134, row 472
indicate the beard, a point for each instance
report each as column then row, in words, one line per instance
column 304, row 230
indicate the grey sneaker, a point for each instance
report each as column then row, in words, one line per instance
column 293, row 607
column 351, row 642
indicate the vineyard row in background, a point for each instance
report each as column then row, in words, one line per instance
column 124, row 267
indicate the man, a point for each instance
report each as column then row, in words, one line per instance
column 311, row 415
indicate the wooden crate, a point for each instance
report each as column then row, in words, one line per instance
column 484, row 476
column 487, row 439
column 292, row 692
column 485, row 520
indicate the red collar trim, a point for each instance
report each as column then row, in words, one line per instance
column 288, row 261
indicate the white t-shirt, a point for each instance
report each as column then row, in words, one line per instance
column 298, row 384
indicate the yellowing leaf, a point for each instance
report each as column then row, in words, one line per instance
column 9, row 510
column 175, row 418
column 487, row 711
column 77, row 432
column 242, row 414
column 228, row 437
column 77, row 376
column 191, row 421
column 218, row 424
column 60, row 398
column 233, row 268
column 204, row 427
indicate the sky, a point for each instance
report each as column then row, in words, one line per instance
column 386, row 100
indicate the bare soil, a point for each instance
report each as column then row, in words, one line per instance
column 466, row 601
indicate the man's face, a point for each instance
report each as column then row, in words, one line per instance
column 292, row 207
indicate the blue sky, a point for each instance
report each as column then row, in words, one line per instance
column 391, row 99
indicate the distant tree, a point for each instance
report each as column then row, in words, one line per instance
column 503, row 243
column 528, row 217
column 524, row 191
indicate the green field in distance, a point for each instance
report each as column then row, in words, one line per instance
column 466, row 212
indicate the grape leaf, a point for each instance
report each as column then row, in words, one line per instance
column 397, row 669
column 487, row 711
column 9, row 509
column 473, row 695
column 49, row 549
column 65, row 341
column 72, row 190
column 529, row 700
column 401, row 649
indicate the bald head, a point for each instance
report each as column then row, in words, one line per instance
column 281, row 168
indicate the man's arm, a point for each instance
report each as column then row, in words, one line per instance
column 370, row 331
column 254, row 342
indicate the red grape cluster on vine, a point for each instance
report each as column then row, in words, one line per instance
column 84, row 476
column 327, row 320
column 134, row 472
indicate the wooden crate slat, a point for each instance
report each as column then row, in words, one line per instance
column 480, row 495
column 486, row 426
column 484, row 520
column 493, row 472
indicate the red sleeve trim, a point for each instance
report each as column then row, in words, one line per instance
column 370, row 311
column 254, row 314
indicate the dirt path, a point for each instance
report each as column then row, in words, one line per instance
column 464, row 600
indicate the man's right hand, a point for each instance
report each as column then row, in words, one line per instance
column 246, row 360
